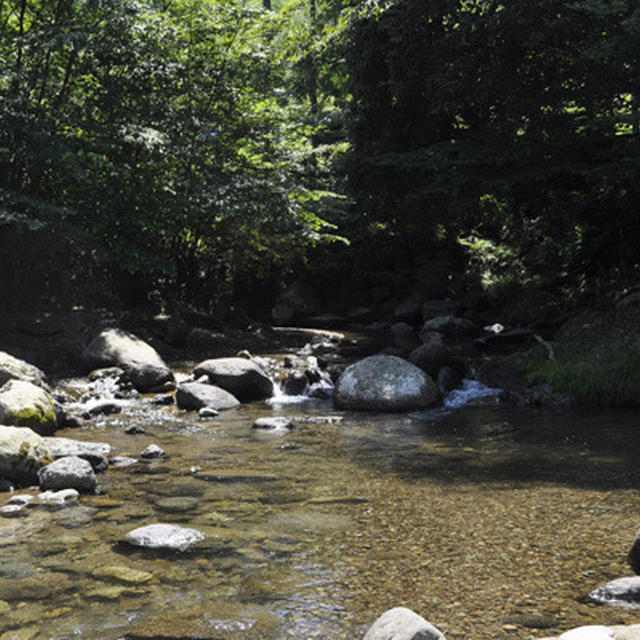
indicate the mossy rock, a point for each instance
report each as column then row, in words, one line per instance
column 25, row 405
column 22, row 453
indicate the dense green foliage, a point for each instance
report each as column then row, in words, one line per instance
column 509, row 127
column 159, row 142
column 195, row 147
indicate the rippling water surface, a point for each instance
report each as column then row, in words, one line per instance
column 490, row 522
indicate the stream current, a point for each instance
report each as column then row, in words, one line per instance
column 489, row 521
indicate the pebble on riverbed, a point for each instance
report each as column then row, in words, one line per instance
column 152, row 451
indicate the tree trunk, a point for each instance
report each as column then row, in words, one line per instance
column 266, row 5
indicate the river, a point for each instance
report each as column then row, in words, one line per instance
column 490, row 521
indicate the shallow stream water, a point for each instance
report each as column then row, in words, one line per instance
column 489, row 521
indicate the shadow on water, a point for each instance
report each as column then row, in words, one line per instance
column 567, row 446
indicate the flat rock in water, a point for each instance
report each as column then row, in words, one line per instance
column 219, row 619
column 122, row 573
column 61, row 447
column 231, row 475
column 164, row 536
column 178, row 504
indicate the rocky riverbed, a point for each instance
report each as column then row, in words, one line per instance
column 292, row 517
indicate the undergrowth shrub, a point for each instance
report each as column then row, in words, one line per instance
column 608, row 376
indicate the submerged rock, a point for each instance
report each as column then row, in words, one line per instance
column 164, row 536
column 241, row 377
column 26, row 405
column 385, row 383
column 402, row 624
column 122, row 573
column 22, row 453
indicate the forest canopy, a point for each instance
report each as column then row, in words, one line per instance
column 205, row 150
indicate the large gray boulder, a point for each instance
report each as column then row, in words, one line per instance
column 68, row 473
column 22, row 453
column 26, row 405
column 195, row 395
column 385, row 383
column 402, row 624
column 141, row 362
column 12, row 368
column 241, row 377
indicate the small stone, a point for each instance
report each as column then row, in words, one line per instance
column 13, row 511
column 122, row 461
column 208, row 412
column 152, row 451
column 134, row 430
